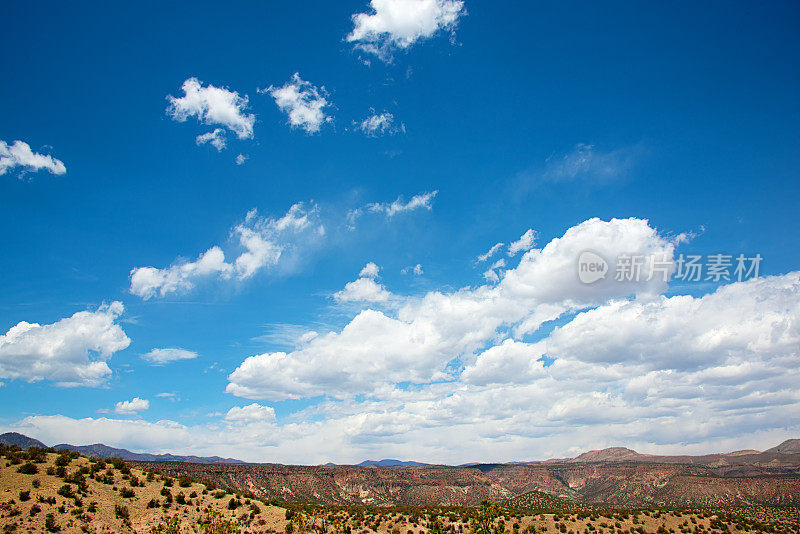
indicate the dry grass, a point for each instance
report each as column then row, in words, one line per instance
column 91, row 496
column 101, row 507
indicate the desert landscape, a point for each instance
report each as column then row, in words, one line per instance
column 400, row 267
column 611, row 491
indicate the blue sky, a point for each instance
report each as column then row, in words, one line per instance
column 675, row 126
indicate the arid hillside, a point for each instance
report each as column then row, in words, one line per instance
column 48, row 492
column 617, row 477
column 45, row 491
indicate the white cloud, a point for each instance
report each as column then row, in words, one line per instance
column 626, row 366
column 304, row 103
column 164, row 356
column 671, row 375
column 213, row 106
column 588, row 164
column 19, row 154
column 262, row 243
column 72, row 351
column 216, row 138
column 491, row 252
column 398, row 24
column 134, row 435
column 429, row 334
column 133, row 406
column 416, row 270
column 148, row 282
column 491, row 274
column 378, row 124
column 240, row 159
column 363, row 290
column 421, row 201
column 525, row 242
column 251, row 413
column 370, row 270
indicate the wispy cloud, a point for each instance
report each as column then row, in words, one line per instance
column 491, row 252
column 525, row 242
column 19, row 154
column 379, row 124
column 164, row 356
column 422, row 201
column 587, row 163
column 215, row 138
column 263, row 242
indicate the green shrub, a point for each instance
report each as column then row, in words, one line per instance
column 50, row 523
column 28, row 469
column 168, row 525
column 121, row 512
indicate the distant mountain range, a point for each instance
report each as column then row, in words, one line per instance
column 611, row 455
column 616, row 476
column 378, row 463
column 389, row 463
column 790, row 446
column 20, row 440
column 98, row 450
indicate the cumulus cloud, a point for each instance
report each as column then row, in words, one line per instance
column 428, row 334
column 71, row 352
column 421, row 201
column 147, row 282
column 19, row 154
column 262, row 243
column 398, row 24
column 370, row 270
column 216, row 138
column 213, row 106
column 304, row 103
column 251, row 413
column 240, row 159
column 364, row 289
column 667, row 375
column 525, row 242
column 131, row 407
column 378, row 124
column 164, row 356
column 625, row 365
column 672, row 375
